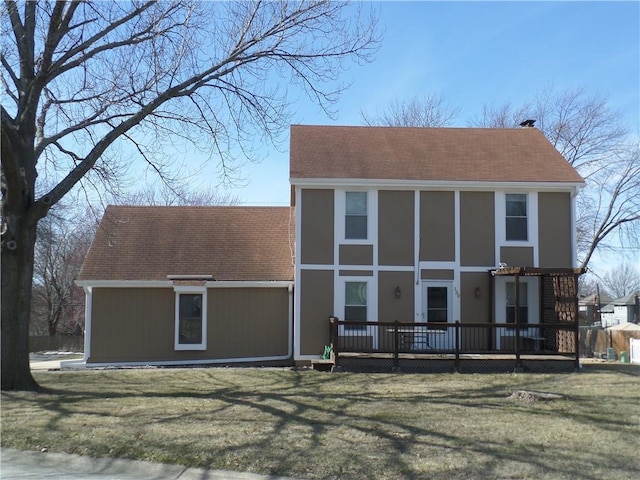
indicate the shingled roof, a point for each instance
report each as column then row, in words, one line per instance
column 228, row 243
column 426, row 154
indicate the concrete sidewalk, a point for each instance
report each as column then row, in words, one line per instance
column 28, row 465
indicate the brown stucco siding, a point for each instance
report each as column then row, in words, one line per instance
column 138, row 325
column 475, row 308
column 435, row 274
column 390, row 308
column 132, row 324
column 316, row 306
column 437, row 226
column 316, row 227
column 356, row 254
column 554, row 229
column 248, row 322
column 395, row 227
column 477, row 229
column 517, row 256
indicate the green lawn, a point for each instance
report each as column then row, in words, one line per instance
column 349, row 426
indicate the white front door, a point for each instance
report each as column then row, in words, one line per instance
column 437, row 309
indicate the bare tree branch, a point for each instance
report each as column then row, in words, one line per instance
column 86, row 78
column 426, row 111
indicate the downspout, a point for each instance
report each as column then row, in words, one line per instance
column 88, row 304
column 291, row 324
column 517, row 319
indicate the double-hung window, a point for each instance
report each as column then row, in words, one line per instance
column 355, row 226
column 523, row 303
column 355, row 304
column 191, row 319
column 516, row 216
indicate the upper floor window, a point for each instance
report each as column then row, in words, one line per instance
column 355, row 226
column 516, row 217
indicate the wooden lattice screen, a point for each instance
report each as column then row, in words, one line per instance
column 565, row 291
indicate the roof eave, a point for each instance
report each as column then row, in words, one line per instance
column 435, row 184
column 170, row 284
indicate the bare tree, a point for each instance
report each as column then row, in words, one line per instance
column 587, row 285
column 608, row 208
column 621, row 280
column 592, row 138
column 582, row 127
column 425, row 111
column 180, row 195
column 82, row 80
column 63, row 241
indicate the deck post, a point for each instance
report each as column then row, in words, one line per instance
column 333, row 338
column 396, row 345
column 576, row 323
column 517, row 321
column 457, row 336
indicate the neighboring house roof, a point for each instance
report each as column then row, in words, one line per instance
column 592, row 299
column 626, row 300
column 229, row 243
column 427, row 154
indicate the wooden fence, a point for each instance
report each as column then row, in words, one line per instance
column 595, row 341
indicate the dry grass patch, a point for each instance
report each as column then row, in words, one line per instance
column 348, row 426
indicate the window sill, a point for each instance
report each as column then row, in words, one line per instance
column 194, row 347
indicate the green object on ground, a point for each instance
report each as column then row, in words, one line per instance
column 326, row 355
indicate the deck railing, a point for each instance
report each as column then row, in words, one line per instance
column 400, row 338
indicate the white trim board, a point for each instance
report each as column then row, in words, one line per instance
column 170, row 284
column 76, row 363
column 381, row 184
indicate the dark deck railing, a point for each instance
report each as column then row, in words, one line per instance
column 453, row 338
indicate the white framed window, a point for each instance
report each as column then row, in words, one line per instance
column 516, row 221
column 356, row 216
column 355, row 304
column 190, row 318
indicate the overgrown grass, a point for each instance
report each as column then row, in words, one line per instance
column 348, row 426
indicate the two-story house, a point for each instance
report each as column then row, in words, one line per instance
column 433, row 228
column 405, row 224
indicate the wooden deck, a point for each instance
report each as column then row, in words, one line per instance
column 443, row 363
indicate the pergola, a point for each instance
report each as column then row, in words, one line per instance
column 558, row 300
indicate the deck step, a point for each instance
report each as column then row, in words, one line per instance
column 322, row 365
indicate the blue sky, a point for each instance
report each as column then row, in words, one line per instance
column 477, row 53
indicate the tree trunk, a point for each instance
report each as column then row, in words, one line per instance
column 17, row 273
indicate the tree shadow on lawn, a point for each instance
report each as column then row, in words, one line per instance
column 325, row 418
column 630, row 369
